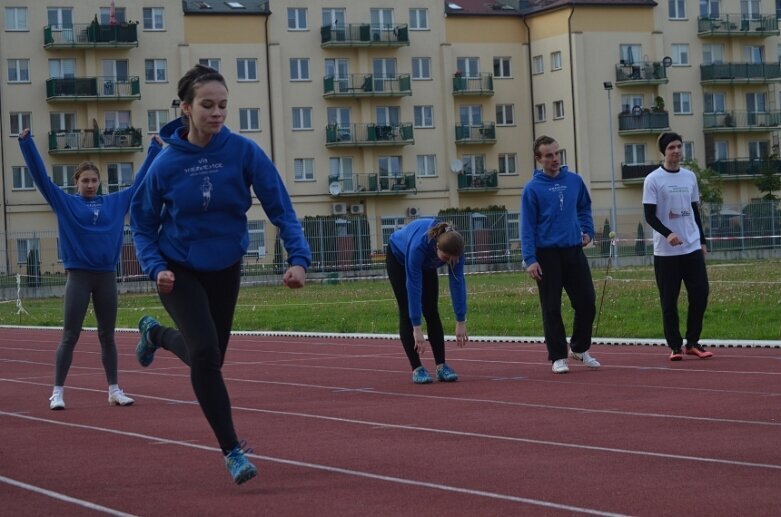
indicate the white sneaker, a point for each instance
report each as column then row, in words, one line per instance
column 560, row 366
column 586, row 359
column 56, row 402
column 118, row 398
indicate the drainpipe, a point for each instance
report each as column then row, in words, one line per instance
column 572, row 86
column 5, row 194
column 531, row 86
column 268, row 78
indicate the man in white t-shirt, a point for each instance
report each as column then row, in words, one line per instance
column 671, row 204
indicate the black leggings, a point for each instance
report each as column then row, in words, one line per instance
column 670, row 272
column 430, row 308
column 202, row 305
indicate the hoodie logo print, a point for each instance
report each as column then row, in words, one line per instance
column 206, row 192
column 561, row 201
column 95, row 214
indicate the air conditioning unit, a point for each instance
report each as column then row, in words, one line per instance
column 412, row 212
column 339, row 208
column 356, row 209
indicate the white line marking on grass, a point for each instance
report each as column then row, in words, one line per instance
column 63, row 497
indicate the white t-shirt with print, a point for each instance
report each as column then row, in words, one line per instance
column 673, row 194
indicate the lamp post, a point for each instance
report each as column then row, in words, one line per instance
column 175, row 105
column 613, row 224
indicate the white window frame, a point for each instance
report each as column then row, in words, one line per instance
column 157, row 66
column 19, row 67
column 676, row 9
column 717, row 100
column 249, row 120
column 26, row 245
column 244, row 72
column 303, row 169
column 20, row 120
column 211, row 62
column 508, row 162
column 22, row 179
column 297, row 19
column 424, row 116
column 302, row 118
column 119, row 176
column 634, row 154
column 426, row 165
column 468, row 66
column 539, row 113
column 558, row 110
column 418, row 19
column 257, row 238
column 299, row 69
column 156, row 18
column 118, row 119
column 555, row 61
column 505, row 114
column 14, row 22
column 538, row 65
column 421, row 68
column 688, row 150
column 680, row 54
column 720, row 150
column 62, row 176
column 503, row 67
column 682, row 103
column 156, row 119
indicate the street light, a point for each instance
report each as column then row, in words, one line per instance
column 609, row 86
column 175, row 105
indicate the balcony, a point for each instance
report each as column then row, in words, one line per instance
column 740, row 73
column 479, row 181
column 375, row 184
column 738, row 25
column 127, row 140
column 482, row 84
column 93, row 89
column 751, row 167
column 482, row 134
column 363, row 35
column 636, row 172
column 640, row 122
column 359, row 135
column 741, row 121
column 366, row 85
column 640, row 74
column 90, row 35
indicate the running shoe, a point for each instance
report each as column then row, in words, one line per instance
column 676, row 355
column 239, row 467
column 117, row 397
column 586, row 359
column 421, row 376
column 446, row 373
column 699, row 351
column 560, row 366
column 145, row 350
column 56, row 401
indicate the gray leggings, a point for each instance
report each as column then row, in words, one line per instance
column 102, row 287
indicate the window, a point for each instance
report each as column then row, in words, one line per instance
column 507, row 163
column 390, row 225
column 211, row 63
column 62, row 68
column 468, row 66
column 22, row 178
column 62, row 121
column 418, row 19
column 758, row 149
column 334, row 16
column 749, row 10
column 299, row 69
column 388, row 115
column 538, row 66
column 558, row 110
column 688, row 150
column 713, row 54
column 153, row 19
column 155, row 70
column 715, row 102
column 504, row 115
column 563, row 156
column 502, row 68
column 116, row 119
column 539, row 113
column 677, row 9
column 156, row 119
column 555, row 60
column 62, row 175
column 16, row 19
column 389, row 166
column 302, row 119
column 634, row 154
column 630, row 101
column 381, row 20
column 709, row 8
column 470, row 115
column 25, row 246
column 421, row 68
column 18, row 70
column 754, row 54
column 424, row 116
column 473, row 163
column 720, row 150
column 249, row 119
column 257, row 238
column 427, row 165
column 20, row 120
column 296, row 19
column 682, row 103
column 342, row 167
column 247, row 69
column 680, row 54
column 120, row 176
column 105, row 15
column 304, row 169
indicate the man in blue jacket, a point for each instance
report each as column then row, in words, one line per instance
column 556, row 224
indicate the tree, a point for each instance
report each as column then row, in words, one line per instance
column 768, row 180
column 708, row 181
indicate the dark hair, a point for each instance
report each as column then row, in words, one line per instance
column 540, row 141
column 448, row 240
column 85, row 166
column 195, row 77
column 666, row 138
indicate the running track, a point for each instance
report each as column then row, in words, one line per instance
column 338, row 429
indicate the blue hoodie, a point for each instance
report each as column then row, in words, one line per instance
column 192, row 207
column 90, row 230
column 417, row 252
column 555, row 213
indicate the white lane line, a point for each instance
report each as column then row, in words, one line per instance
column 63, row 497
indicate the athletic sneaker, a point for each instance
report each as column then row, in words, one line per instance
column 446, row 373
column 560, row 366
column 239, row 467
column 118, row 398
column 699, row 351
column 145, row 350
column 586, row 359
column 56, row 402
column 421, row 376
column 676, row 355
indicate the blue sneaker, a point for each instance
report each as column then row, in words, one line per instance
column 240, row 468
column 446, row 373
column 421, row 376
column 145, row 349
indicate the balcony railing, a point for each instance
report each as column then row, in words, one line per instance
column 740, row 73
column 478, row 181
column 483, row 134
column 745, row 166
column 637, row 171
column 367, row 85
column 373, row 183
column 364, row 35
column 741, row 121
column 638, row 74
column 90, row 35
column 738, row 25
column 482, row 84
column 93, row 88
column 95, row 140
column 641, row 122
column 354, row 135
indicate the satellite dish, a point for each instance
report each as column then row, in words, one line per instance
column 667, row 62
column 456, row 166
column 335, row 188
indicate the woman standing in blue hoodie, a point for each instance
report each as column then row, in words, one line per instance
column 556, row 224
column 91, row 229
column 190, row 229
column 415, row 252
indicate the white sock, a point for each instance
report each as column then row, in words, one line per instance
column 113, row 388
column 58, row 390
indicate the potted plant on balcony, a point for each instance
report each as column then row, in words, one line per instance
column 658, row 105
